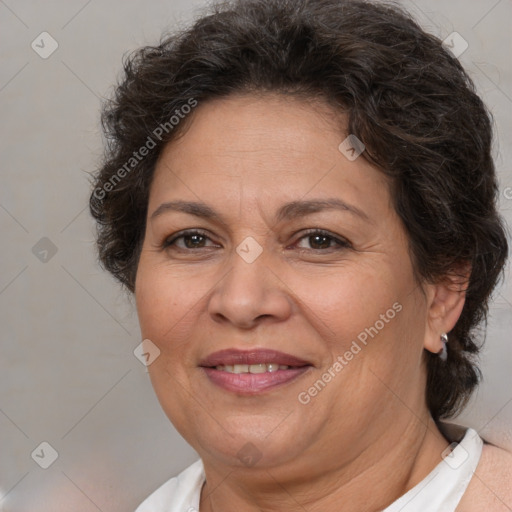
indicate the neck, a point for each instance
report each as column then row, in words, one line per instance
column 384, row 471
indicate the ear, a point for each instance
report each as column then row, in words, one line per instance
column 445, row 301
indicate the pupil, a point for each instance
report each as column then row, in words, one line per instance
column 320, row 241
column 194, row 241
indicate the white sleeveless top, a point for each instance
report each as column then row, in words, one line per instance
column 440, row 491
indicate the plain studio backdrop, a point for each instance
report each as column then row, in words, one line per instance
column 70, row 379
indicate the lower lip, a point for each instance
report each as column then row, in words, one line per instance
column 253, row 383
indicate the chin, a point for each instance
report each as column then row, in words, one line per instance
column 250, row 442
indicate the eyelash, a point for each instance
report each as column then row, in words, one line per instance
column 340, row 242
column 168, row 242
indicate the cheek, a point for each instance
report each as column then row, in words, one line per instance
column 372, row 318
column 161, row 302
column 169, row 303
column 345, row 302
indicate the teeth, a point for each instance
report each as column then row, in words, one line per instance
column 257, row 368
column 252, row 368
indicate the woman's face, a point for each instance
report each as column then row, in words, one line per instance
column 295, row 248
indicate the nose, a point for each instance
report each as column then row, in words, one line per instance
column 249, row 294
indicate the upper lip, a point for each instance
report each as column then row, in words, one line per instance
column 232, row 356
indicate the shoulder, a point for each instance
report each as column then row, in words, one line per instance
column 491, row 485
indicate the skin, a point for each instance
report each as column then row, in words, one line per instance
column 490, row 487
column 369, row 428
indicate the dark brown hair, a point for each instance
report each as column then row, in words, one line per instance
column 406, row 97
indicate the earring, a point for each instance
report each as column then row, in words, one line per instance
column 443, row 353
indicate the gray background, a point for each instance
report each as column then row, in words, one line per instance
column 69, row 376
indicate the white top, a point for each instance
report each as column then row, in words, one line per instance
column 440, row 491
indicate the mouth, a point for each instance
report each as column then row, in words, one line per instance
column 252, row 372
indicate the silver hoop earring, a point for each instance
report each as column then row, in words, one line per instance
column 443, row 353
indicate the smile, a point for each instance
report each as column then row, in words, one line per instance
column 249, row 372
column 248, row 383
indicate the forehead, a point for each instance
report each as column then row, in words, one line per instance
column 267, row 147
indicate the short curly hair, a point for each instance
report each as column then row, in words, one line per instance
column 405, row 96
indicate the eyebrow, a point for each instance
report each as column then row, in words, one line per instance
column 290, row 210
column 302, row 208
column 190, row 207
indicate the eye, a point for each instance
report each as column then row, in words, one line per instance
column 320, row 240
column 191, row 239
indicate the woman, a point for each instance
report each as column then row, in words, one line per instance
column 300, row 195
